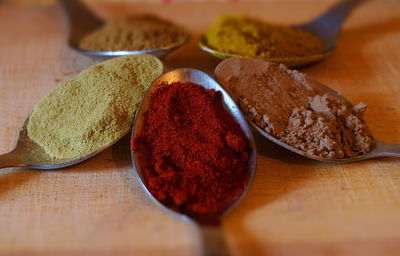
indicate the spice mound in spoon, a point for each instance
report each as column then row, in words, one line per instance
column 142, row 32
column 250, row 37
column 94, row 109
column 193, row 154
column 285, row 104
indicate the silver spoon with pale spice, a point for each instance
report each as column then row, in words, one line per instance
column 300, row 114
column 326, row 28
column 85, row 115
column 144, row 34
column 28, row 153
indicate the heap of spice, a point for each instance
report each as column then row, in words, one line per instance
column 285, row 104
column 250, row 37
column 135, row 33
column 93, row 109
column 194, row 155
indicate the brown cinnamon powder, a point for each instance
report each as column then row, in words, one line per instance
column 284, row 103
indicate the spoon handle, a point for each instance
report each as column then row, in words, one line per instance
column 81, row 19
column 387, row 149
column 328, row 25
column 10, row 160
column 213, row 241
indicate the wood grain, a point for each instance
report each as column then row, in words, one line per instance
column 295, row 206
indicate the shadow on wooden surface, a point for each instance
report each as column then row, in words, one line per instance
column 121, row 153
column 269, row 185
column 351, row 43
column 14, row 177
column 357, row 38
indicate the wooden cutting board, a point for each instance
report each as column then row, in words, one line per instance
column 295, row 206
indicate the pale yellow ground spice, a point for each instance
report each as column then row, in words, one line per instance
column 93, row 109
column 135, row 33
column 246, row 36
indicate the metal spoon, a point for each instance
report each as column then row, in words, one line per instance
column 29, row 154
column 326, row 27
column 82, row 22
column 380, row 148
column 210, row 227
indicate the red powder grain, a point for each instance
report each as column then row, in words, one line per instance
column 193, row 154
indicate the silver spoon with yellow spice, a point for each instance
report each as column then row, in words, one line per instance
column 140, row 34
column 300, row 114
column 84, row 115
column 295, row 46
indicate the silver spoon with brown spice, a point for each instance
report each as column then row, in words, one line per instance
column 126, row 36
column 300, row 114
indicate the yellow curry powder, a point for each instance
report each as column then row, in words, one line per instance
column 250, row 37
column 93, row 109
column 135, row 33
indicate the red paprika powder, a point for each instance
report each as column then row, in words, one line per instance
column 194, row 155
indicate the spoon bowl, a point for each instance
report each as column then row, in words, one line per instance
column 28, row 153
column 83, row 21
column 209, row 224
column 326, row 27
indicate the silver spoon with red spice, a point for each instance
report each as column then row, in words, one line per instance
column 213, row 240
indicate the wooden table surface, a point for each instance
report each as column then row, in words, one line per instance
column 295, row 206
